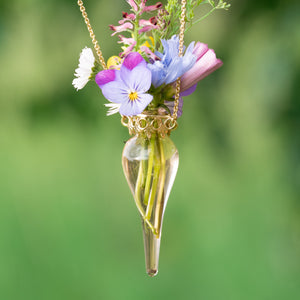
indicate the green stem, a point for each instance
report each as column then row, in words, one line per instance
column 137, row 197
column 144, row 167
column 156, row 173
column 136, row 32
column 160, row 199
column 149, row 172
column 137, row 192
column 202, row 18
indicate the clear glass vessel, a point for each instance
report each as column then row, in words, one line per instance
column 150, row 164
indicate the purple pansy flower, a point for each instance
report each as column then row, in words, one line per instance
column 127, row 87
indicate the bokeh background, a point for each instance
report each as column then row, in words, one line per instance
column 69, row 228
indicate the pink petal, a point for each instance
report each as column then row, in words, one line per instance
column 127, row 17
column 127, row 50
column 200, row 49
column 126, row 41
column 151, row 21
column 148, row 28
column 152, row 7
column 120, row 28
column 207, row 64
column 133, row 4
column 149, row 53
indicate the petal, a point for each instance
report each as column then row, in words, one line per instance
column 87, row 58
column 133, row 4
column 132, row 60
column 170, row 105
column 79, row 83
column 132, row 108
column 158, row 73
column 121, row 28
column 127, row 50
column 115, row 91
column 148, row 28
column 200, row 49
column 189, row 59
column 202, row 68
column 113, row 108
column 152, row 7
column 139, row 79
column 189, row 91
column 105, row 77
column 174, row 70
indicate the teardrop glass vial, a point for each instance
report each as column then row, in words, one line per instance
column 150, row 164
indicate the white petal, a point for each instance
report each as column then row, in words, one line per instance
column 84, row 70
column 79, row 83
column 113, row 108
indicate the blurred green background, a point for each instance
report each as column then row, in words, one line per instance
column 69, row 228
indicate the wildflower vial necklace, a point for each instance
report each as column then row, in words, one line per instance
column 146, row 87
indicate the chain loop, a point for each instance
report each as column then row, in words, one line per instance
column 181, row 37
column 92, row 34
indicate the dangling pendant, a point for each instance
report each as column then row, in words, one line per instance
column 150, row 162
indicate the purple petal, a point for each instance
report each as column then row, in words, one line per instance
column 105, row 77
column 132, row 60
column 139, row 79
column 170, row 105
column 115, row 91
column 189, row 91
column 132, row 108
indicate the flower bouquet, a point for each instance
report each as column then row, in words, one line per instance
column 146, row 84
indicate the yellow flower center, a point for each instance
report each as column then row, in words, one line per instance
column 133, row 96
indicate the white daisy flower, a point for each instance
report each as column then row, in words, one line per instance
column 113, row 108
column 84, row 70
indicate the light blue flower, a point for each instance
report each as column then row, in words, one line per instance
column 171, row 66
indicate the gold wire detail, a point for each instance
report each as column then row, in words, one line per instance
column 181, row 37
column 92, row 34
column 149, row 124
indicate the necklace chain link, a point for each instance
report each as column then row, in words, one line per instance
column 92, row 34
column 181, row 41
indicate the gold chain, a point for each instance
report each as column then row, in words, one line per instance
column 181, row 37
column 92, row 34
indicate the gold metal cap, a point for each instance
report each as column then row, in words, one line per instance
column 149, row 123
